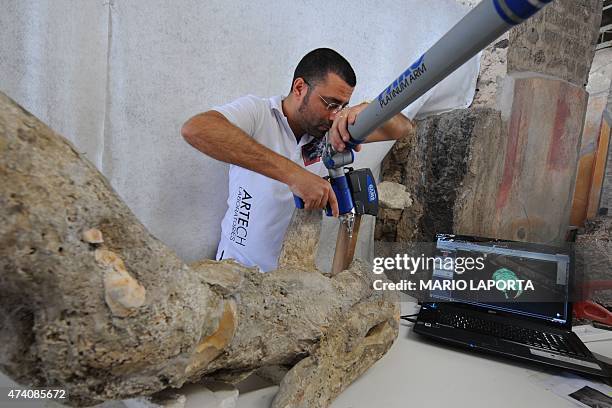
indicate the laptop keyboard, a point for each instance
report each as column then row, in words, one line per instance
column 523, row 335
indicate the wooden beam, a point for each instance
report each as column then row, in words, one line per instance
column 599, row 168
column 345, row 246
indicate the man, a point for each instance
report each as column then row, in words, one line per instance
column 274, row 147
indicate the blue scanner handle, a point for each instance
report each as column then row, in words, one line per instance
column 343, row 195
column 299, row 203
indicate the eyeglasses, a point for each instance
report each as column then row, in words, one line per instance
column 332, row 107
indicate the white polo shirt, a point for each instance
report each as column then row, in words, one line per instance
column 260, row 208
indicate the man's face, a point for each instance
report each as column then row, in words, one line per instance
column 314, row 116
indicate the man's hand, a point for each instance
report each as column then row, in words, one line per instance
column 394, row 129
column 315, row 191
column 338, row 133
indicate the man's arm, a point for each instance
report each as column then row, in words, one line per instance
column 212, row 134
column 393, row 129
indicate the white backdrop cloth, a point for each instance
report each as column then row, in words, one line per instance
column 118, row 78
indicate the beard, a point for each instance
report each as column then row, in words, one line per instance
column 312, row 125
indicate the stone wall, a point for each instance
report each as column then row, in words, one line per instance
column 492, row 71
column 492, row 67
column 506, row 167
column 433, row 166
column 545, row 44
column 556, row 41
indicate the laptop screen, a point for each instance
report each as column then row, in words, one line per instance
column 505, row 276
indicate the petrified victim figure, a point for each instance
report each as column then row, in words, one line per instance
column 92, row 303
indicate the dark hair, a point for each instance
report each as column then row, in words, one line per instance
column 315, row 66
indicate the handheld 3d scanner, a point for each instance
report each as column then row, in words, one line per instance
column 355, row 190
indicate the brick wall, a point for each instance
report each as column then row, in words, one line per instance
column 552, row 42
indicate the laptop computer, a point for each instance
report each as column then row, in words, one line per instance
column 479, row 309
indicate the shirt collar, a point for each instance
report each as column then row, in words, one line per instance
column 276, row 104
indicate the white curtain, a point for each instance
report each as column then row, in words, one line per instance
column 119, row 77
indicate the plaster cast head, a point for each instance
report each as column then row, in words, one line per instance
column 323, row 83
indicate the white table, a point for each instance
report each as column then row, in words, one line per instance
column 417, row 373
column 420, row 373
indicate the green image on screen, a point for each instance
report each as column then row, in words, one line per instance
column 505, row 274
